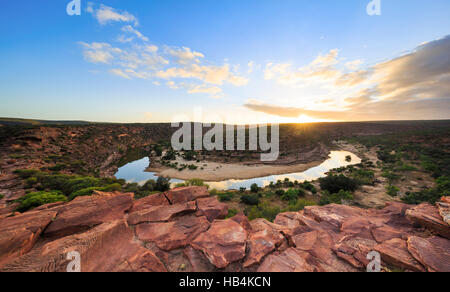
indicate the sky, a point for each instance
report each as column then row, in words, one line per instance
column 227, row 61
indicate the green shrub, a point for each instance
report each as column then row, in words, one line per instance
column 291, row 195
column 335, row 183
column 78, row 183
column 58, row 167
column 299, row 205
column 30, row 182
column 192, row 182
column 225, row 197
column 336, row 198
column 162, row 184
column 431, row 195
column 26, row 173
column 263, row 210
column 309, row 187
column 170, row 155
column 242, row 189
column 149, row 186
column 251, row 200
column 392, row 190
column 254, row 188
column 89, row 191
column 232, row 213
column 390, row 176
column 364, row 177
column 280, row 193
column 2, row 196
column 33, row 200
column 348, row 158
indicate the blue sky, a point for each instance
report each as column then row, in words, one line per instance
column 239, row 61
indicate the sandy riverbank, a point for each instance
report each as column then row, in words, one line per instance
column 213, row 171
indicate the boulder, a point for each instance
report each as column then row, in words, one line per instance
column 186, row 194
column 333, row 214
column 291, row 260
column 395, row 253
column 242, row 220
column 105, row 248
column 224, row 243
column 83, row 213
column 172, row 235
column 150, row 201
column 428, row 216
column 212, row 209
column 18, row 234
column 444, row 209
column 264, row 239
column 143, row 261
column 289, row 219
column 433, row 253
column 161, row 213
column 198, row 260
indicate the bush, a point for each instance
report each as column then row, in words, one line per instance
column 336, row 198
column 190, row 155
column 34, row 200
column 242, row 189
column 162, row 184
column 348, row 158
column 26, row 173
column 309, row 187
column 90, row 191
column 291, row 195
column 78, row 183
column 299, row 205
column 392, row 190
column 254, row 188
column 335, row 183
column 280, row 193
column 170, row 155
column 2, row 196
column 263, row 210
column 251, row 200
column 364, row 177
column 232, row 213
column 432, row 195
column 225, row 197
column 149, row 186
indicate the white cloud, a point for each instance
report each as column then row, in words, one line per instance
column 179, row 66
column 106, row 14
column 99, row 52
column 132, row 30
column 184, row 56
column 120, row 73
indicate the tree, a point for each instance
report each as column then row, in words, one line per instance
column 335, row 183
column 254, row 188
column 162, row 184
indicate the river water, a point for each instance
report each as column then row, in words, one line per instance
column 135, row 172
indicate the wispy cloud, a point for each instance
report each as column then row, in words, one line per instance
column 105, row 14
column 135, row 57
column 415, row 85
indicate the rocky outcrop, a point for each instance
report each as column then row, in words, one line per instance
column 84, row 213
column 433, row 253
column 108, row 247
column 212, row 209
column 224, row 243
column 19, row 234
column 428, row 216
column 186, row 194
column 185, row 230
column 444, row 209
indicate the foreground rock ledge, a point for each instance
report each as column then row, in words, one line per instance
column 184, row 230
